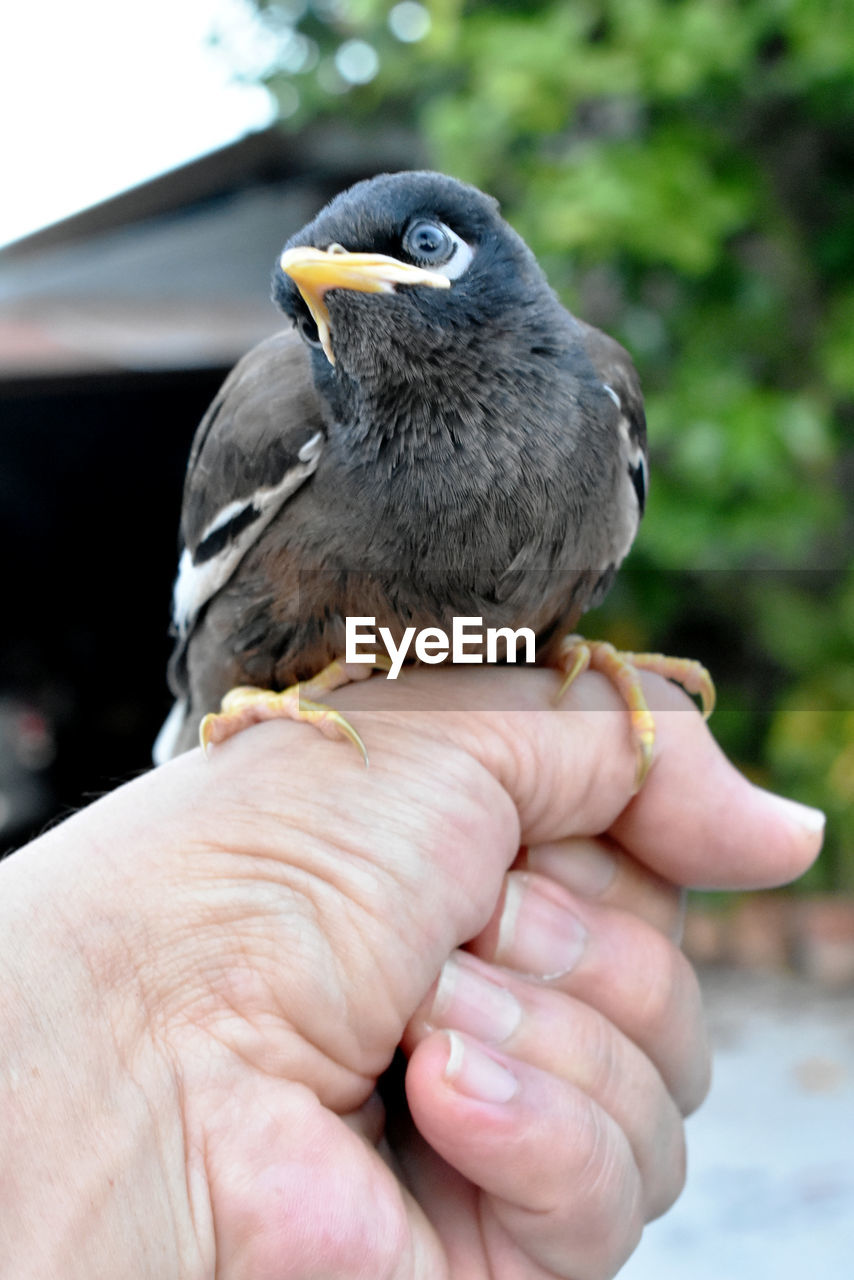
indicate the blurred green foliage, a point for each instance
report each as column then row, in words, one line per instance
column 683, row 169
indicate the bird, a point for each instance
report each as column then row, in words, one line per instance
column 433, row 436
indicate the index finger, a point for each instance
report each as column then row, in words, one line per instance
column 569, row 770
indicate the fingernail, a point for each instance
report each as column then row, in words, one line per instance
column 538, row 935
column 812, row 820
column 584, row 866
column 468, row 1000
column 474, row 1073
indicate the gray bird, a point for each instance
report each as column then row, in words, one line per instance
column 436, row 436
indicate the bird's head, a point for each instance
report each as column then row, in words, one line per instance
column 402, row 274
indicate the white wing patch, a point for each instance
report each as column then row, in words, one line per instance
column 633, row 483
column 629, row 504
column 228, row 513
column 167, row 738
column 636, row 463
column 311, row 450
column 197, row 583
column 194, row 586
column 632, row 452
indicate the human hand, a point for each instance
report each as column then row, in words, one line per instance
column 235, row 953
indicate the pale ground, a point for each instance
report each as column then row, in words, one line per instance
column 770, row 1193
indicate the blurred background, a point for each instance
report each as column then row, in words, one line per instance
column 683, row 169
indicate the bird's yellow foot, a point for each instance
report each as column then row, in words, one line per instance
column 247, row 705
column 577, row 654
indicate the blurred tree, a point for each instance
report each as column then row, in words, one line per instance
column 683, row 170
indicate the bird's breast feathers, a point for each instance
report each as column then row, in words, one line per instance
column 435, row 422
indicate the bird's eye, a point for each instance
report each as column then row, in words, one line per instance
column 428, row 243
column 308, row 329
column 432, row 244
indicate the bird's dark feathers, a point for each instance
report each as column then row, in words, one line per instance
column 373, row 214
column 474, row 450
column 264, row 413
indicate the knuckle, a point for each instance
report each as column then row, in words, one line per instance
column 698, row 1088
column 608, row 1194
column 670, row 1008
column 665, row 1178
column 677, row 1172
column 662, row 997
column 607, row 1053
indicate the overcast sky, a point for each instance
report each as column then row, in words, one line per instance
column 98, row 95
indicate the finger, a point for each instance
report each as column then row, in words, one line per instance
column 563, row 1192
column 368, row 1120
column 609, row 959
column 459, row 785
column 695, row 821
column 289, row 1191
column 378, row 873
column 598, row 869
column 695, row 802
column 570, row 1040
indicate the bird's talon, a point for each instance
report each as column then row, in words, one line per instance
column 708, row 696
column 246, row 705
column 580, row 663
column 644, row 763
column 623, row 670
column 236, row 699
column 687, row 672
column 341, row 727
column 206, row 731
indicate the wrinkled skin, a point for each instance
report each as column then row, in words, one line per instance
column 206, row 972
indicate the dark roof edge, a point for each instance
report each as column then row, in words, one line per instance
column 263, row 156
column 40, row 386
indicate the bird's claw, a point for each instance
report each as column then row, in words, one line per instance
column 246, row 705
column 577, row 655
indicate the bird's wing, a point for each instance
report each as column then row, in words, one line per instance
column 614, row 366
column 261, row 439
column 606, row 540
column 611, row 434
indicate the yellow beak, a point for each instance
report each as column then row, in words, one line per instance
column 314, row 271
